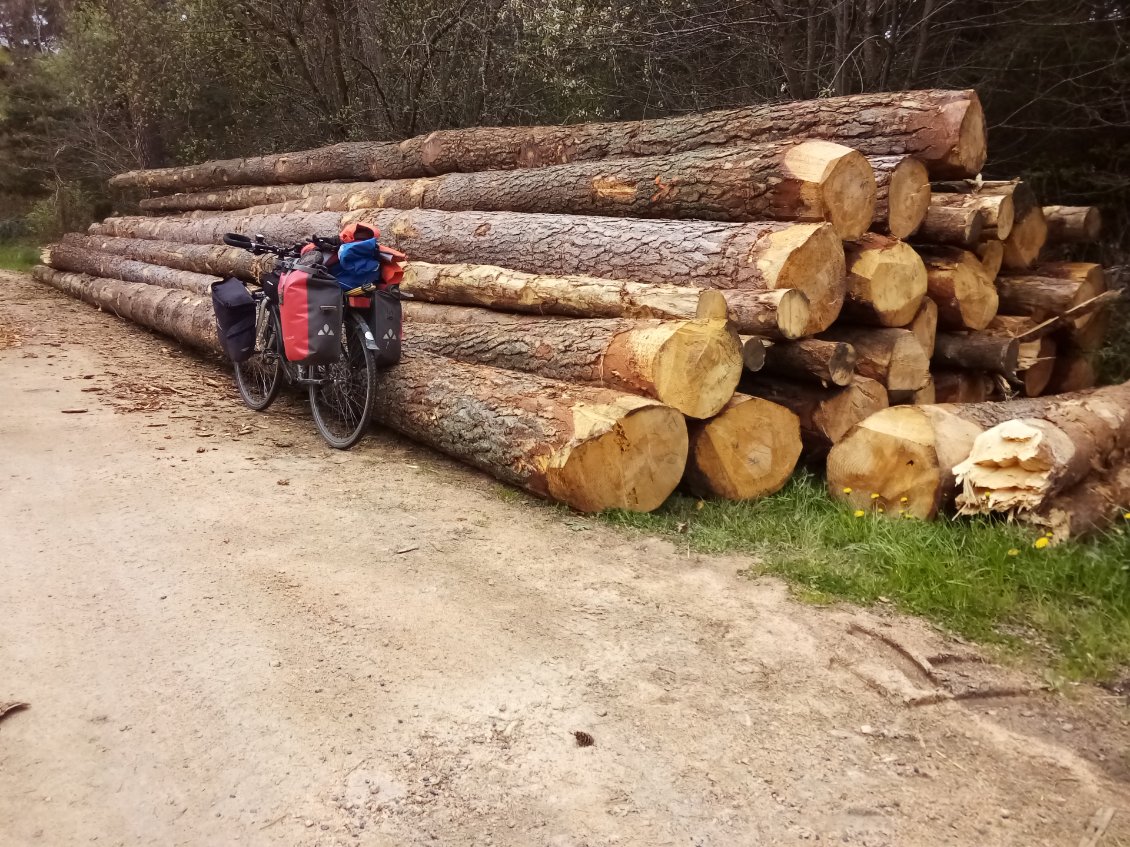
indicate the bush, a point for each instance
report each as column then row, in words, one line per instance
column 69, row 207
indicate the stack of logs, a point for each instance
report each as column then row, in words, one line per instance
column 780, row 276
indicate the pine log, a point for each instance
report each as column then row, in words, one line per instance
column 1038, row 375
column 1051, row 289
column 185, row 316
column 886, row 281
column 991, row 254
column 1090, row 507
column 946, row 129
column 1092, row 335
column 906, row 454
column 811, row 181
column 213, row 260
column 960, row 226
column 826, row 414
column 590, row 448
column 924, row 325
column 902, row 196
column 1074, row 371
column 997, row 211
column 924, row 396
column 813, row 360
column 892, row 357
column 1026, row 240
column 748, row 450
column 692, row 366
column 245, row 196
column 1023, row 198
column 958, row 386
column 1073, row 224
column 65, row 257
column 1018, row 465
column 751, row 256
column 964, row 293
column 754, row 348
column 981, row 351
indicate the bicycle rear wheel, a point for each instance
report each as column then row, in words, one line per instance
column 260, row 377
column 342, row 404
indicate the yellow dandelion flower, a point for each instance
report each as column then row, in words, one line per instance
column 1127, row 516
column 1048, row 535
column 1014, row 552
column 874, row 496
column 881, row 510
column 859, row 513
column 847, row 490
column 904, row 499
column 1041, row 543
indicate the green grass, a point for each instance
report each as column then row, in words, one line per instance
column 18, row 255
column 1071, row 601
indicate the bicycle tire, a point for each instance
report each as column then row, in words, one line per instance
column 259, row 378
column 343, row 405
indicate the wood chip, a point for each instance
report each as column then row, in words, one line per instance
column 11, row 706
column 74, row 411
column 408, row 549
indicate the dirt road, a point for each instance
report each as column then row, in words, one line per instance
column 229, row 633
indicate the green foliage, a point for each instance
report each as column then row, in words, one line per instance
column 1074, row 598
column 18, row 255
column 69, row 207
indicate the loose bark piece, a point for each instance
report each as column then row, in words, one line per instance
column 892, row 357
column 752, row 256
column 966, row 296
column 826, row 414
column 978, row 351
column 1026, row 240
column 886, row 281
column 997, row 211
column 65, row 257
column 692, row 366
column 959, row 386
column 924, row 325
column 906, row 454
column 210, row 259
column 1073, row 224
column 812, row 359
column 748, row 450
column 946, row 129
column 754, row 348
column 902, row 196
column 960, row 226
column 808, row 181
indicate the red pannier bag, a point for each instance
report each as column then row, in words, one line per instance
column 310, row 310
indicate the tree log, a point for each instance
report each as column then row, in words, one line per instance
column 906, row 454
column 960, row 226
column 925, row 326
column 924, row 396
column 811, row 359
column 892, row 357
column 754, row 348
column 979, row 351
column 886, row 281
column 214, row 260
column 1038, row 375
column 826, row 414
column 692, row 366
column 902, row 196
column 1074, row 371
column 997, row 211
column 965, row 295
column 751, row 256
column 991, row 254
column 811, row 181
column 1073, row 224
column 1090, row 507
column 65, row 257
column 246, row 196
column 1023, row 198
column 958, row 386
column 1051, row 289
column 748, row 450
column 945, row 129
column 1024, row 243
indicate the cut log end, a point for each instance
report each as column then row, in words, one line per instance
column 843, row 181
column 780, row 314
column 1012, row 467
column 696, row 368
column 886, row 282
column 753, row 352
column 810, row 259
column 969, row 154
column 634, row 462
column 1073, row 223
column 747, row 450
column 1027, row 239
column 908, row 198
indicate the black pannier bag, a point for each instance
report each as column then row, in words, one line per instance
column 388, row 327
column 310, row 310
column 235, row 319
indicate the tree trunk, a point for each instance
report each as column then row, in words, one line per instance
column 892, row 357
column 1074, row 371
column 958, row 386
column 1038, row 375
column 1073, row 224
column 886, row 281
column 782, row 314
column 692, row 366
column 906, row 454
column 590, row 448
column 826, row 414
column 65, row 257
column 748, row 450
column 924, row 396
column 811, row 181
column 945, row 129
column 960, row 226
column 754, row 349
column 1024, row 243
column 760, row 257
column 1089, row 508
column 902, row 196
column 1023, row 198
column 814, row 360
column 924, row 325
column 1050, row 290
column 199, row 258
column 991, row 254
column 965, row 295
column 997, row 211
column 978, row 351
column 246, row 196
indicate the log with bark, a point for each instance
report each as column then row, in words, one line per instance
column 924, row 325
column 750, row 256
column 692, row 366
column 590, row 448
column 812, row 360
column 245, row 196
column 809, row 181
column 1074, row 370
column 1051, row 289
column 1035, row 354
column 997, row 211
column 906, row 455
column 748, row 450
column 991, row 254
column 886, row 281
column 215, row 260
column 965, row 295
column 1023, row 197
column 945, row 129
column 754, row 349
column 892, row 357
column 978, row 351
column 67, row 257
column 1090, row 507
column 924, row 396
column 826, row 414
column 1026, row 240
column 960, row 226
column 1073, row 224
column 953, row 385
column 902, row 195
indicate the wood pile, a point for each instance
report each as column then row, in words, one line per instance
column 725, row 291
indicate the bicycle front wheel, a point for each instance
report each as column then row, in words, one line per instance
column 342, row 403
column 260, row 377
